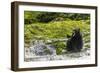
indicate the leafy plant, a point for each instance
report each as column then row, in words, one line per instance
column 59, row 51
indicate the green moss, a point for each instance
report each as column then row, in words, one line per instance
column 54, row 30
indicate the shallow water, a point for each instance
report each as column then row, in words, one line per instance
column 37, row 53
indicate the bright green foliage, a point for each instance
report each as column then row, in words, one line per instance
column 53, row 29
column 59, row 44
column 59, row 51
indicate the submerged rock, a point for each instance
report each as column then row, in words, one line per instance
column 40, row 48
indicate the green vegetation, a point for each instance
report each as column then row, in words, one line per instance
column 51, row 25
column 59, row 51
column 44, row 17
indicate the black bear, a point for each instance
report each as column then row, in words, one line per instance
column 75, row 43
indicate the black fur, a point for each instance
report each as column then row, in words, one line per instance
column 75, row 43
